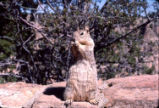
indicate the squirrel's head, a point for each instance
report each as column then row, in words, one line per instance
column 81, row 33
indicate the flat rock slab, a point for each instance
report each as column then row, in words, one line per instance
column 129, row 92
column 18, row 95
column 134, row 92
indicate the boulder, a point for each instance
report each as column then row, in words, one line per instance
column 133, row 92
column 129, row 92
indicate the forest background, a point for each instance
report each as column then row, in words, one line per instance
column 35, row 37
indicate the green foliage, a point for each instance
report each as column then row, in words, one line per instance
column 11, row 79
column 8, row 79
column 147, row 70
column 41, row 60
column 5, row 48
column 131, row 60
column 2, row 80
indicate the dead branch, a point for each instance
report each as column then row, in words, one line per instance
column 7, row 38
column 121, row 37
column 37, row 28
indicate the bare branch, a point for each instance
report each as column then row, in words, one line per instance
column 37, row 28
column 7, row 38
column 123, row 36
column 50, row 5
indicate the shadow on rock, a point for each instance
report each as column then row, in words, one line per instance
column 57, row 91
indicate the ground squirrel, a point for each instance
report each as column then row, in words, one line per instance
column 82, row 81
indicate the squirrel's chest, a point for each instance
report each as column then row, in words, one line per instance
column 83, row 71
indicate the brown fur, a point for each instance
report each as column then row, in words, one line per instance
column 82, row 81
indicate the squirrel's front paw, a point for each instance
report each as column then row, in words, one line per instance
column 77, row 43
column 72, row 43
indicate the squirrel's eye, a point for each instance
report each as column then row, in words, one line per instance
column 82, row 33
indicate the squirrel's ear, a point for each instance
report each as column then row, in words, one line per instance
column 87, row 28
